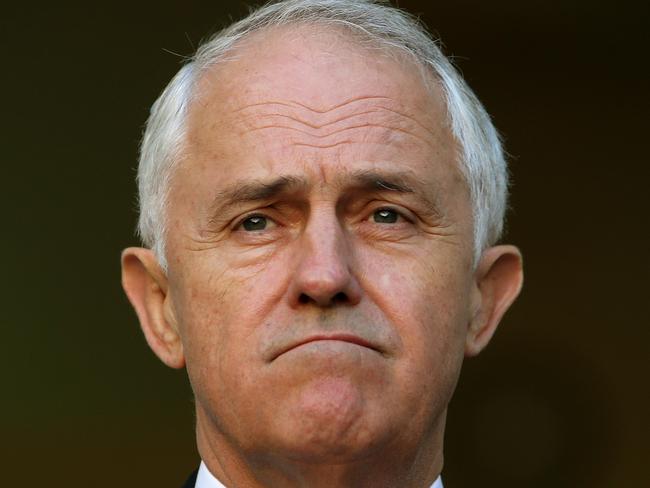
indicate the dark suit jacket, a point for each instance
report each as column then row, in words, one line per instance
column 191, row 481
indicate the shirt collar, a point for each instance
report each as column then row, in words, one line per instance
column 204, row 479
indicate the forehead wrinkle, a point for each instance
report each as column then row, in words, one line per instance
column 306, row 122
column 304, row 111
column 295, row 103
column 339, row 131
column 322, row 146
column 370, row 119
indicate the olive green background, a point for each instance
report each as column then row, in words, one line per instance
column 560, row 398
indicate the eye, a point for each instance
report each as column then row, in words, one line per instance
column 385, row 216
column 254, row 223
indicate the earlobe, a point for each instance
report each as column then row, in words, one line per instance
column 145, row 284
column 498, row 280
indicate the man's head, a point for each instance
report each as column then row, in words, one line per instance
column 322, row 275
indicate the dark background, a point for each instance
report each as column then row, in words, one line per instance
column 560, row 398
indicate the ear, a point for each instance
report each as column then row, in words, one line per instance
column 145, row 283
column 498, row 280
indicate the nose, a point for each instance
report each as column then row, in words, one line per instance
column 323, row 275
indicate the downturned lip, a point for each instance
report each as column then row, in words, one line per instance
column 351, row 338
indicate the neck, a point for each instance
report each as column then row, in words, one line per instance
column 392, row 464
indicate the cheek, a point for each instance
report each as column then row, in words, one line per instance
column 427, row 300
column 219, row 309
column 201, row 298
column 419, row 280
column 217, row 291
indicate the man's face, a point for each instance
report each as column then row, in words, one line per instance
column 320, row 251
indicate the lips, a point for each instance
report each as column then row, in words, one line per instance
column 350, row 338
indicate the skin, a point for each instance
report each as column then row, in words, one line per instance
column 320, row 288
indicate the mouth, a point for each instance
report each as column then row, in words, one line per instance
column 349, row 338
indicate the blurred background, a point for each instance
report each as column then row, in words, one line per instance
column 560, row 398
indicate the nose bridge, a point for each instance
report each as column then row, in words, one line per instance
column 324, row 241
column 323, row 275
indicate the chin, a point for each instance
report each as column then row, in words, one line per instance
column 323, row 448
column 330, row 421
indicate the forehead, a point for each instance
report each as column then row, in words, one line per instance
column 312, row 93
column 290, row 62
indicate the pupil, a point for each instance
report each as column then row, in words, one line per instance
column 386, row 216
column 255, row 223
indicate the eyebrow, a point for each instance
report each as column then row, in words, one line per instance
column 254, row 191
column 398, row 182
column 381, row 181
column 248, row 191
column 259, row 189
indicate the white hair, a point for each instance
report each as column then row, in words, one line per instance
column 481, row 158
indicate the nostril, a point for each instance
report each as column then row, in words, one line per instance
column 340, row 297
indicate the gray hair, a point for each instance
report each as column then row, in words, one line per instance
column 482, row 161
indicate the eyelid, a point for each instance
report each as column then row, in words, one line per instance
column 403, row 213
column 256, row 213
